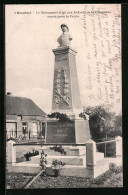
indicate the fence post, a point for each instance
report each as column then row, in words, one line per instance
column 90, row 153
column 10, row 152
column 118, row 146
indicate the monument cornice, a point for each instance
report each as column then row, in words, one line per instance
column 63, row 50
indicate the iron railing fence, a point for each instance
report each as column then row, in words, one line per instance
column 21, row 135
column 108, row 147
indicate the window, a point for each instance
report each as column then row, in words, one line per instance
column 34, row 126
column 11, row 130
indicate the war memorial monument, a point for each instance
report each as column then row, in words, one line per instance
column 80, row 156
column 66, row 96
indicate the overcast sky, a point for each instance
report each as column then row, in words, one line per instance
column 30, row 39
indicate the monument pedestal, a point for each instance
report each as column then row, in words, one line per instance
column 66, row 100
column 66, row 95
column 82, row 131
column 76, row 132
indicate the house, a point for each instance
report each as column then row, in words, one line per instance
column 24, row 118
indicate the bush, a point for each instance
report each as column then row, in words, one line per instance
column 114, row 168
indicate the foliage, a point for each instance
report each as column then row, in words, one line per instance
column 102, row 122
column 57, row 164
column 30, row 154
column 62, row 117
column 82, row 115
column 117, row 126
column 58, row 149
column 114, row 168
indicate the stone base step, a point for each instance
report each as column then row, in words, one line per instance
column 68, row 160
column 70, row 150
column 68, row 170
column 24, row 167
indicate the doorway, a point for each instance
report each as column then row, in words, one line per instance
column 43, row 131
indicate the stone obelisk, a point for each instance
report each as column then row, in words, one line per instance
column 66, row 95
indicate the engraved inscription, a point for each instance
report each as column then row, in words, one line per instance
column 61, row 97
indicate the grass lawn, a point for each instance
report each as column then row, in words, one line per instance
column 112, row 178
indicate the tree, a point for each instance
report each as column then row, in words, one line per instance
column 102, row 122
column 117, row 127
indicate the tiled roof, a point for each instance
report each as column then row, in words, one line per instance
column 22, row 106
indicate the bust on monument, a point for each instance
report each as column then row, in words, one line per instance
column 65, row 38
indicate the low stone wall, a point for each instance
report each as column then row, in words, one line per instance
column 21, row 150
column 111, row 148
column 92, row 168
